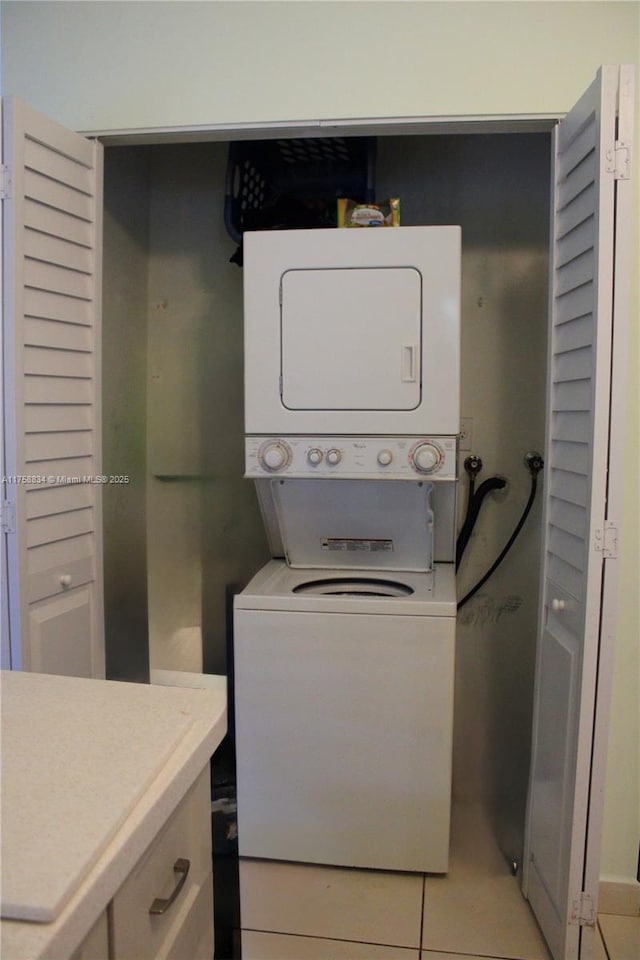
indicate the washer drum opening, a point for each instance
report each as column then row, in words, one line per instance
column 354, row 587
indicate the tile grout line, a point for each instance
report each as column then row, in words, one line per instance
column 424, row 897
column 602, row 939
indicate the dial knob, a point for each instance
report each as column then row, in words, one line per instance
column 314, row 456
column 274, row 455
column 426, row 457
column 385, row 457
column 334, row 456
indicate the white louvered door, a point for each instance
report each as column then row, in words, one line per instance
column 573, row 649
column 52, row 220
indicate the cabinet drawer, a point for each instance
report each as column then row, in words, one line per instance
column 95, row 945
column 186, row 837
column 194, row 940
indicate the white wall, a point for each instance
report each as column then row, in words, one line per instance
column 110, row 66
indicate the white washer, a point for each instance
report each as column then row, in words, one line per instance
column 344, row 716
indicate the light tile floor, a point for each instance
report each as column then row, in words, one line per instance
column 477, row 912
column 619, row 938
column 478, row 908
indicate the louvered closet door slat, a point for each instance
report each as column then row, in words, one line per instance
column 57, row 223
column 43, row 501
column 55, row 279
column 569, row 487
column 46, row 333
column 574, row 333
column 44, row 389
column 41, row 129
column 577, row 212
column 569, row 190
column 572, row 395
column 575, row 243
column 579, row 148
column 59, row 527
column 577, row 272
column 57, row 446
column 47, row 362
column 54, row 306
column 571, row 457
column 562, row 572
column 52, row 355
column 56, row 166
column 55, row 555
column 568, row 517
column 60, row 472
column 61, row 252
column 47, row 418
column 573, row 304
column 574, row 426
column 50, row 193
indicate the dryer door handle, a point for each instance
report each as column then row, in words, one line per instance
column 410, row 363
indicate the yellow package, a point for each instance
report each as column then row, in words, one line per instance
column 352, row 214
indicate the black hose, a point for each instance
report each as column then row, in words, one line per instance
column 473, row 510
column 465, row 523
column 509, row 544
column 472, row 466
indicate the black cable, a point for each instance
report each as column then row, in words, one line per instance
column 472, row 466
column 463, row 536
column 493, row 483
column 509, row 544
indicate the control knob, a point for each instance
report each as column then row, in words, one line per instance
column 314, row 456
column 334, row 456
column 385, row 457
column 426, row 457
column 274, row 455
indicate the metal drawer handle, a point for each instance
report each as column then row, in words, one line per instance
column 160, row 905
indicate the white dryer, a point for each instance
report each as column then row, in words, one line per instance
column 352, row 331
column 344, row 716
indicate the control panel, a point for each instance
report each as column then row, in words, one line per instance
column 347, row 457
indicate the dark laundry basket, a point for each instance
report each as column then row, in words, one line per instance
column 294, row 184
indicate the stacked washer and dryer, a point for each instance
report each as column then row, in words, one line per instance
column 344, row 642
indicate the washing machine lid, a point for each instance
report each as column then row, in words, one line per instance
column 346, row 524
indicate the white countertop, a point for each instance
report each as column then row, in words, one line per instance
column 91, row 769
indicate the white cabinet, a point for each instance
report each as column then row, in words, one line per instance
column 174, row 879
column 165, row 906
column 115, row 859
column 95, row 945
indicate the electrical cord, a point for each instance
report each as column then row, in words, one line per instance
column 534, row 463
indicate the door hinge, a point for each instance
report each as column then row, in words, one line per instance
column 606, row 541
column 618, row 160
column 8, row 517
column 5, row 182
column 584, row 912
column 280, row 384
column 280, row 294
